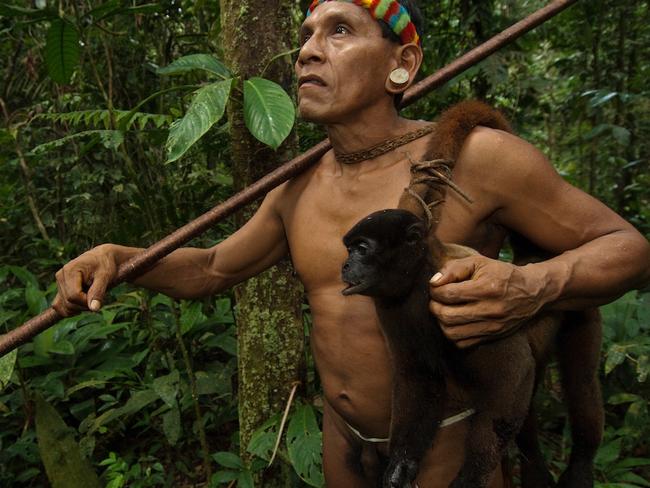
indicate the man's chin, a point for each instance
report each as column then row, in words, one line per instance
column 317, row 115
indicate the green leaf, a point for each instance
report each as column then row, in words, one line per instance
column 43, row 342
column 269, row 113
column 245, row 479
column 224, row 341
column 600, row 99
column 615, row 357
column 191, row 314
column 111, row 139
column 167, row 387
column 85, row 384
column 608, row 453
column 7, row 363
column 621, row 134
column 48, row 146
column 214, row 383
column 7, row 10
column 61, row 51
column 263, row 439
column 228, row 460
column 304, row 444
column 223, row 476
column 35, row 299
column 207, row 107
column 172, row 424
column 24, row 276
column 642, row 367
column 62, row 347
column 138, row 401
column 64, row 464
column 191, row 62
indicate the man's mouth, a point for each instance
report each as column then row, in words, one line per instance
column 353, row 288
column 310, row 80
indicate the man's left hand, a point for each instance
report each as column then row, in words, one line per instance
column 478, row 298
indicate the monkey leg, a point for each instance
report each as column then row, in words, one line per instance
column 534, row 472
column 504, row 375
column 416, row 413
column 579, row 343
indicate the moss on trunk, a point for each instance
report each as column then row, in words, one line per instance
column 269, row 317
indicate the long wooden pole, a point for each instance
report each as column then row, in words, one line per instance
column 140, row 263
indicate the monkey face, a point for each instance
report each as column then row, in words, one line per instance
column 385, row 253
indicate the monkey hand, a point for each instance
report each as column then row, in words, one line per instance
column 477, row 298
column 83, row 281
column 400, row 473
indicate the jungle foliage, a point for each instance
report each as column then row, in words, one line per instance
column 112, row 130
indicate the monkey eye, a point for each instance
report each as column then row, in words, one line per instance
column 362, row 247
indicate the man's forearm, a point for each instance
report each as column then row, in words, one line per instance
column 184, row 273
column 595, row 273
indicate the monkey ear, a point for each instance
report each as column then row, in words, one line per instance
column 414, row 233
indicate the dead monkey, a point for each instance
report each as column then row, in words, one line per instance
column 391, row 258
column 423, row 357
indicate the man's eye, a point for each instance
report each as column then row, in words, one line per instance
column 305, row 38
column 341, row 29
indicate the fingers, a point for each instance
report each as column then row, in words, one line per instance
column 93, row 271
column 468, row 313
column 95, row 295
column 64, row 308
column 454, row 271
column 70, row 298
column 463, row 292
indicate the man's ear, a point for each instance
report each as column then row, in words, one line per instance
column 408, row 57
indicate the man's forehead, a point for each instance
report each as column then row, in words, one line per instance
column 330, row 11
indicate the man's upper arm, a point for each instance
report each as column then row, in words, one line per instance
column 257, row 245
column 532, row 199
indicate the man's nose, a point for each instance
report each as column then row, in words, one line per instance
column 311, row 51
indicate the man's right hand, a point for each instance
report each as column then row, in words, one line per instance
column 82, row 282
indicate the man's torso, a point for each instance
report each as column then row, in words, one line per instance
column 317, row 209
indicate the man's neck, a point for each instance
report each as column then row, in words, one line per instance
column 366, row 129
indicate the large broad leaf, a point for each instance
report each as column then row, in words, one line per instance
column 191, row 62
column 172, row 425
column 207, row 107
column 167, row 387
column 61, row 51
column 304, row 441
column 64, row 464
column 7, row 363
column 268, row 111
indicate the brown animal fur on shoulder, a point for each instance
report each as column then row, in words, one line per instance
column 432, row 175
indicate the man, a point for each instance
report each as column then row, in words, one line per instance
column 344, row 70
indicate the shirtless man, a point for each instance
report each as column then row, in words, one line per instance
column 344, row 68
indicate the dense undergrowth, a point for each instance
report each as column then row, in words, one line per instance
column 147, row 388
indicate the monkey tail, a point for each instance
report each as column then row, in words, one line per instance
column 431, row 176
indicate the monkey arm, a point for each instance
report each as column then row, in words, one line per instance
column 599, row 256
column 186, row 272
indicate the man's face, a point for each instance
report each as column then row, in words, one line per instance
column 343, row 62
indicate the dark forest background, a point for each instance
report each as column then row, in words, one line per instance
column 146, row 393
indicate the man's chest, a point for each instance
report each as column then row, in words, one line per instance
column 326, row 208
column 322, row 214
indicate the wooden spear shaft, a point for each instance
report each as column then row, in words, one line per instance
column 137, row 265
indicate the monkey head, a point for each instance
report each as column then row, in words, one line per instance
column 386, row 251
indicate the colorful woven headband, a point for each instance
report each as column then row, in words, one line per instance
column 390, row 11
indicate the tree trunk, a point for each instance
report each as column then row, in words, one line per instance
column 269, row 317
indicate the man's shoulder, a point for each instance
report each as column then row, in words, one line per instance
column 286, row 194
column 496, row 154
